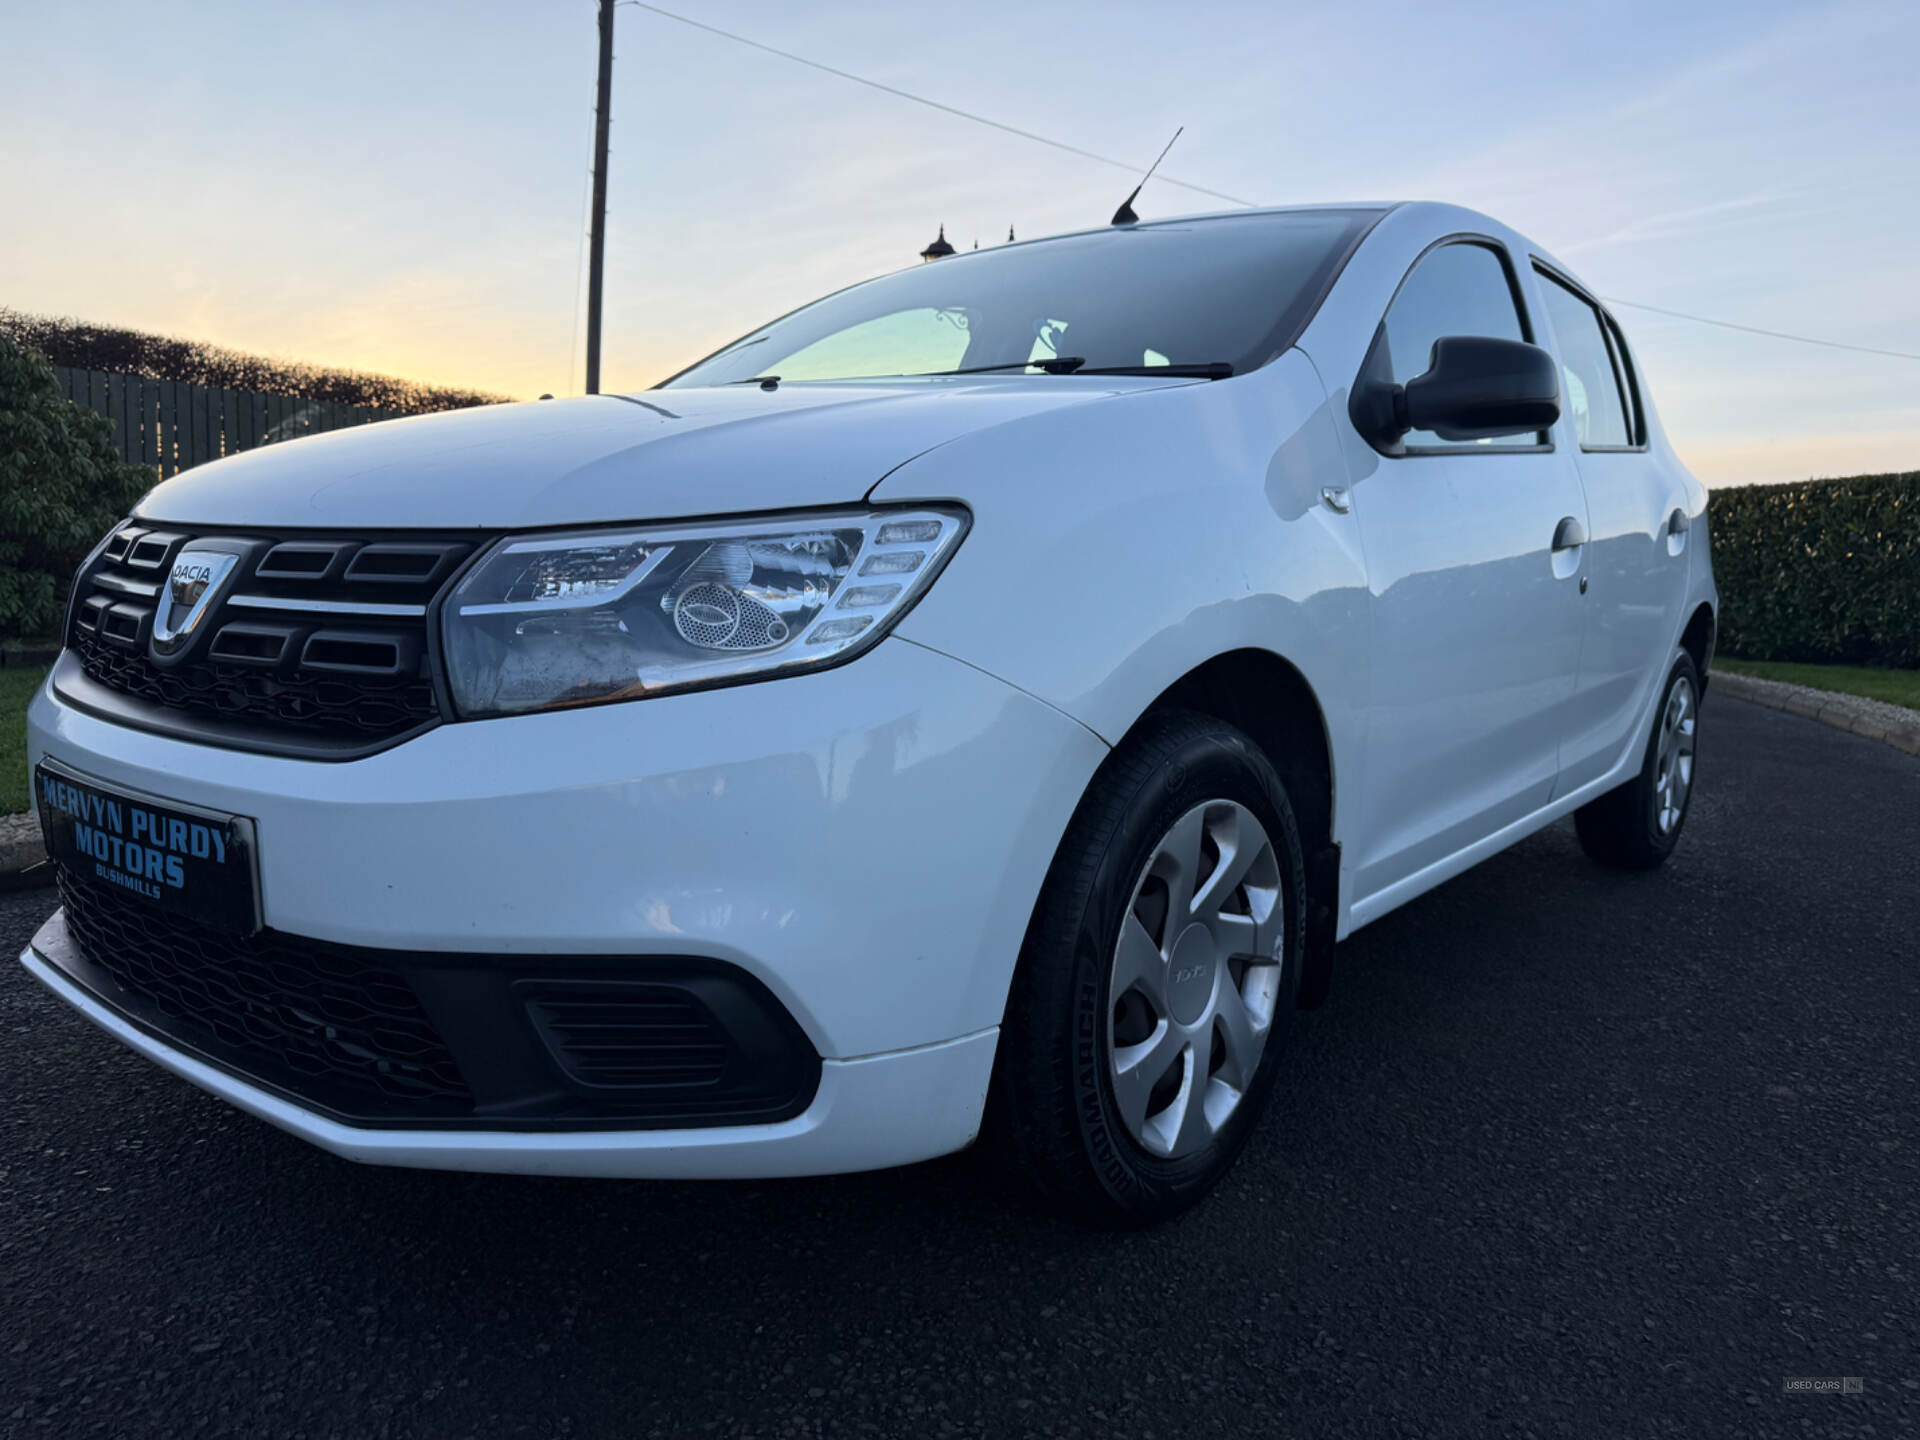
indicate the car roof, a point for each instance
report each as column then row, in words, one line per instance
column 1442, row 217
column 1373, row 209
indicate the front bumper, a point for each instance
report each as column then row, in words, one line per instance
column 867, row 1114
column 867, row 843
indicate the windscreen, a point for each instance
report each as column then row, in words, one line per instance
column 1229, row 291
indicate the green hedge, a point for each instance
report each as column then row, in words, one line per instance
column 1825, row 571
column 83, row 346
column 62, row 486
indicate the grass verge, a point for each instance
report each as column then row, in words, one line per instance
column 1899, row 687
column 16, row 688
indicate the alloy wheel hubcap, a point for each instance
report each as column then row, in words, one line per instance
column 1196, row 976
column 1673, row 768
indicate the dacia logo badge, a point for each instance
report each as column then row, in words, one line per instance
column 193, row 585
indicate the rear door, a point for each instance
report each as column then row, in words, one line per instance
column 1475, row 618
column 1636, row 560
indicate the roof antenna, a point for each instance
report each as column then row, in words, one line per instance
column 1124, row 215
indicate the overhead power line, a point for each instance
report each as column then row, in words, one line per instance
column 1129, row 166
column 1132, row 168
column 1756, row 330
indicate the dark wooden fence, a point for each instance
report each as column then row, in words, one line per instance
column 174, row 426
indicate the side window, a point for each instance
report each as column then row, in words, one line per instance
column 1459, row 289
column 1596, row 404
column 1636, row 418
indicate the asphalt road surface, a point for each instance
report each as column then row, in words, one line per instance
column 1567, row 1153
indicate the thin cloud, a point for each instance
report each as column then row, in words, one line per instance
column 1692, row 220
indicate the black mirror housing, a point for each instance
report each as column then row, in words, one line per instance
column 1480, row 388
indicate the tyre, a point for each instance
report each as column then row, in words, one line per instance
column 1636, row 826
column 1157, row 979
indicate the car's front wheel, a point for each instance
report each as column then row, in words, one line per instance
column 1157, row 978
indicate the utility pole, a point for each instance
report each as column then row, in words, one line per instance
column 597, row 245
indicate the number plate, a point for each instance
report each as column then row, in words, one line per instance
column 179, row 857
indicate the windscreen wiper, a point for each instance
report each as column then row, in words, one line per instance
column 1052, row 364
column 1075, row 365
column 1204, row 370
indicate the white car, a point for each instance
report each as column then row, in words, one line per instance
column 981, row 697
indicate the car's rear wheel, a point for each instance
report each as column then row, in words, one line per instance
column 1157, row 978
column 1636, row 826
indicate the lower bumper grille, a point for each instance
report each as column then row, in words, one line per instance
column 313, row 1018
column 398, row 1038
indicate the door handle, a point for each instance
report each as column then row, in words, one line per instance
column 1569, row 534
column 1678, row 528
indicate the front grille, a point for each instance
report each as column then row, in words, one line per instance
column 374, row 707
column 318, row 639
column 319, row 1020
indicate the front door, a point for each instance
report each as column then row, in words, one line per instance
column 1475, row 614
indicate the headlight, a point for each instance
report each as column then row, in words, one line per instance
column 596, row 615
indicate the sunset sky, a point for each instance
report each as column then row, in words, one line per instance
column 401, row 186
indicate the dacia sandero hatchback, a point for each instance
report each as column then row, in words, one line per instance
column 982, row 697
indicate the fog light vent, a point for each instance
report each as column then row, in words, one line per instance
column 630, row 1035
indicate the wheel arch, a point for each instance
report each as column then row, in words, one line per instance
column 1698, row 639
column 1266, row 696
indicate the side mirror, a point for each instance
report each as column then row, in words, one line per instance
column 1477, row 387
